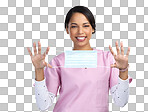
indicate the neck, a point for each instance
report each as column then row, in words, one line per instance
column 87, row 47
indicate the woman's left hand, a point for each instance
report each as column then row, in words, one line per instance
column 121, row 60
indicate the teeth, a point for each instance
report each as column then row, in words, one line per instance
column 80, row 37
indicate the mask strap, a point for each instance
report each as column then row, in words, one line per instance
column 58, row 67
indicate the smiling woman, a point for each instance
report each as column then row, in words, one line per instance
column 84, row 78
column 80, row 24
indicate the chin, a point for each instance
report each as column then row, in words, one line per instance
column 81, row 44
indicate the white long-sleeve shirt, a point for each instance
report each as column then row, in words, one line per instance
column 44, row 98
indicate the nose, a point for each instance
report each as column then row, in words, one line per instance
column 80, row 30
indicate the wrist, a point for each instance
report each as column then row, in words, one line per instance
column 125, row 69
column 38, row 69
column 39, row 74
column 123, row 75
column 39, row 78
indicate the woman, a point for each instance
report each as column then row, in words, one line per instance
column 81, row 89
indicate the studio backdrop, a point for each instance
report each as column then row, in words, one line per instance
column 23, row 22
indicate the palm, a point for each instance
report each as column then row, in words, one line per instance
column 37, row 61
column 121, row 61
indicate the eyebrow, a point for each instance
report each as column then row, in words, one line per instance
column 76, row 23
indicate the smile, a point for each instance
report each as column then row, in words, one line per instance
column 81, row 39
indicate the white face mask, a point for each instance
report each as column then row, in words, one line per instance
column 81, row 59
column 74, row 56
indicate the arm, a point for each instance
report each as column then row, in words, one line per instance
column 39, row 74
column 44, row 99
column 120, row 92
column 123, row 75
column 39, row 63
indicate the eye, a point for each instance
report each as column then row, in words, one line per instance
column 73, row 26
column 86, row 26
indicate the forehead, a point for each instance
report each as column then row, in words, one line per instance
column 78, row 18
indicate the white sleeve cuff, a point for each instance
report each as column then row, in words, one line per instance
column 123, row 84
column 40, row 85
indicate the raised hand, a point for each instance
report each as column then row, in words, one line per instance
column 38, row 60
column 121, row 60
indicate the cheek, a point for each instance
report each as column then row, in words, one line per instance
column 72, row 36
column 89, row 32
column 72, row 33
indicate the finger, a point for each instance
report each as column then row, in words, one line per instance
column 43, row 56
column 34, row 47
column 49, row 66
column 45, row 53
column 111, row 50
column 30, row 53
column 122, row 49
column 117, row 48
column 45, row 63
column 113, row 65
column 128, row 51
column 39, row 47
column 47, row 50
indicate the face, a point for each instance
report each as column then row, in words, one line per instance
column 80, row 30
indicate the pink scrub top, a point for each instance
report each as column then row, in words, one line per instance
column 82, row 89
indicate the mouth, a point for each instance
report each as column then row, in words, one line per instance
column 81, row 38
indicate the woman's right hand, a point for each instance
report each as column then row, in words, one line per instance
column 38, row 60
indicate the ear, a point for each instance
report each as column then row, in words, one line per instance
column 93, row 30
column 67, row 30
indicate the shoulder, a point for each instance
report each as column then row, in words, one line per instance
column 106, row 54
column 59, row 58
